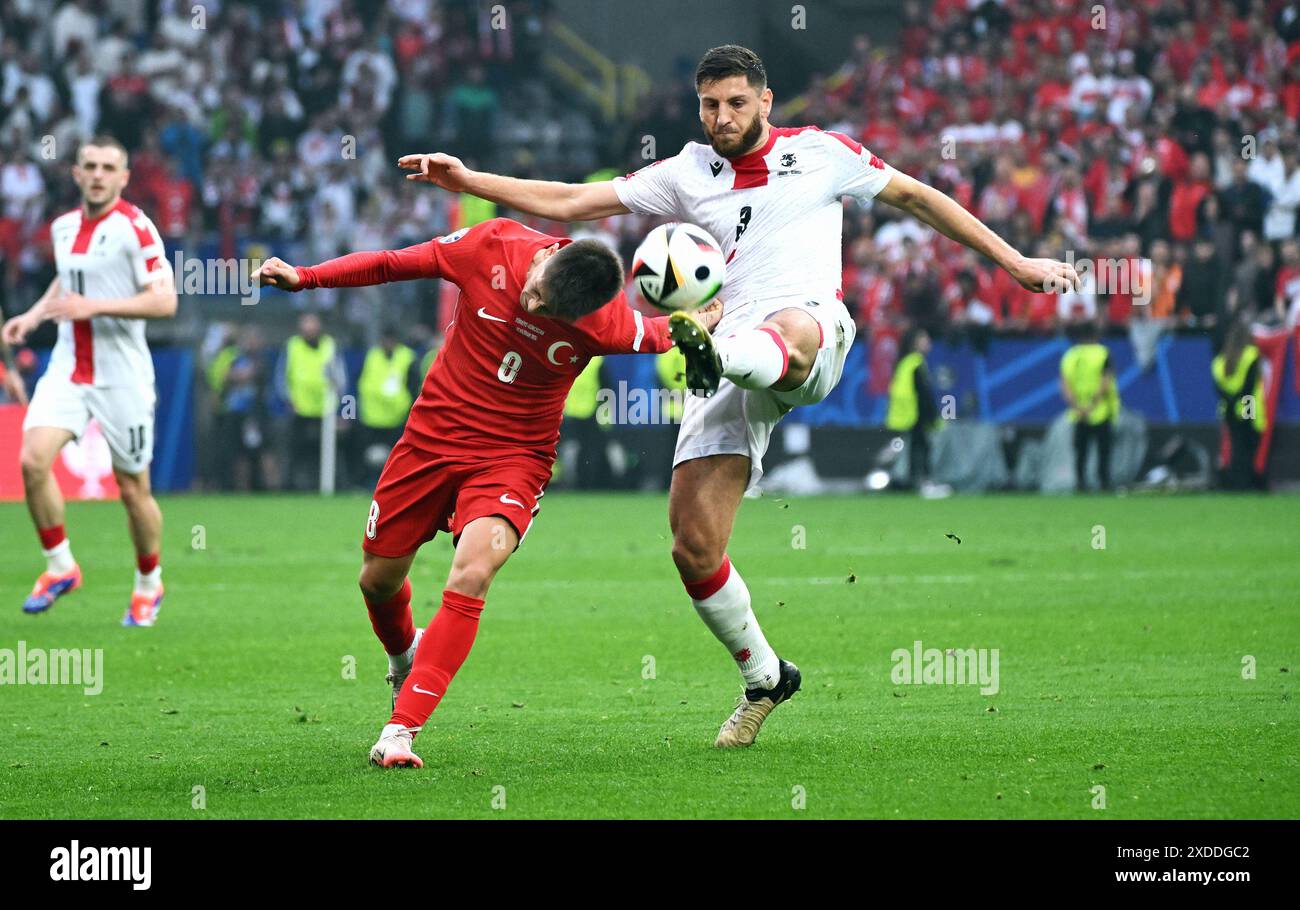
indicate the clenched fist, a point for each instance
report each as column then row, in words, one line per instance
column 277, row 273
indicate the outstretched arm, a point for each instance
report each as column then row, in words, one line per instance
column 948, row 218
column 352, row 270
column 544, row 198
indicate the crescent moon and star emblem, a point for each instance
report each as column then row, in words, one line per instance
column 555, row 348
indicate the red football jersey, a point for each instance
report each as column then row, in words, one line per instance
column 500, row 380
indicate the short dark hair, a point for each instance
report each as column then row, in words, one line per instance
column 731, row 60
column 103, row 140
column 581, row 278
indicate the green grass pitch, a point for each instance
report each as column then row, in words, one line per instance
column 595, row 691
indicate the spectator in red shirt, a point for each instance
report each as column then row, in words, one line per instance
column 173, row 203
column 1187, row 195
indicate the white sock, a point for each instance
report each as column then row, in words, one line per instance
column 148, row 584
column 406, row 659
column 58, row 559
column 754, row 358
column 729, row 617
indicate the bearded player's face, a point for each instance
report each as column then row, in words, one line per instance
column 732, row 113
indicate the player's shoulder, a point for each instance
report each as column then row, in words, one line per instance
column 128, row 217
column 816, row 137
column 71, row 216
column 693, row 154
column 504, row 229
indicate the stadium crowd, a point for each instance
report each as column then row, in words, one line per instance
column 1161, row 133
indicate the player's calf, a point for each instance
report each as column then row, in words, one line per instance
column 387, row 592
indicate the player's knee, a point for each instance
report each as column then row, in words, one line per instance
column 801, row 337
column 801, row 345
column 471, row 578
column 35, row 465
column 695, row 554
column 377, row 583
column 133, row 489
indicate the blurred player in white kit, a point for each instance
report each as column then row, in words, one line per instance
column 112, row 275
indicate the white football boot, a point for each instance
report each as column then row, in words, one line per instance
column 394, row 748
column 741, row 728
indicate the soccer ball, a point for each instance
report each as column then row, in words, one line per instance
column 678, row 267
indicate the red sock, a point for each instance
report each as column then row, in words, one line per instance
column 51, row 537
column 391, row 620
column 707, row 587
column 146, row 562
column 443, row 648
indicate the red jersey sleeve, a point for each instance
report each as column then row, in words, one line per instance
column 446, row 257
column 616, row 328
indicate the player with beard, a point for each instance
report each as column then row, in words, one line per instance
column 772, row 197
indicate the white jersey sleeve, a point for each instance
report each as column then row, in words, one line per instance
column 653, row 189
column 857, row 172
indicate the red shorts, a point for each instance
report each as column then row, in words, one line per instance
column 421, row 493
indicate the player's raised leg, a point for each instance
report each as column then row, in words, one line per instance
column 702, row 504
column 778, row 353
column 41, row 445
column 386, row 587
column 144, row 519
column 483, row 548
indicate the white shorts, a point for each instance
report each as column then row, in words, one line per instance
column 739, row 421
column 125, row 415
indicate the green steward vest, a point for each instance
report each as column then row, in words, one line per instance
column 305, row 374
column 671, row 367
column 382, row 394
column 474, row 210
column 1231, row 386
column 1084, row 367
column 582, row 400
column 219, row 368
column 904, row 409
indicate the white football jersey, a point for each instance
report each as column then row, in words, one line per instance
column 115, row 255
column 777, row 211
